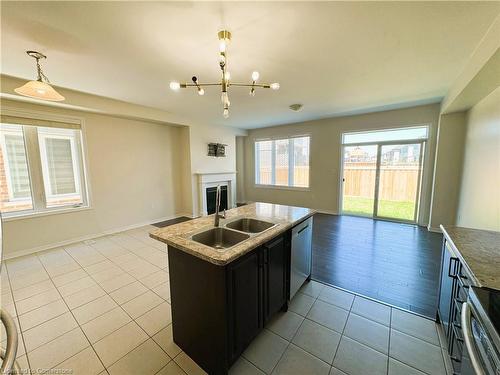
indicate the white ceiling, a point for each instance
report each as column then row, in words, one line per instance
column 333, row 57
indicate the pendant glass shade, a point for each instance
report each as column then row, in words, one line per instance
column 39, row 90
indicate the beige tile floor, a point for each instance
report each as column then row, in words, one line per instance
column 103, row 307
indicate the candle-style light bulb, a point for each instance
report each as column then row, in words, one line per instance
column 275, row 86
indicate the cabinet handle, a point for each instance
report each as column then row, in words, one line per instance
column 452, row 261
column 456, row 328
column 303, row 229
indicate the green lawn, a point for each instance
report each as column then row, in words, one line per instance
column 390, row 209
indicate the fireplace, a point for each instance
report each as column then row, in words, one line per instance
column 207, row 186
column 211, row 195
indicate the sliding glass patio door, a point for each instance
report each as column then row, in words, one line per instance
column 382, row 179
column 399, row 175
column 360, row 173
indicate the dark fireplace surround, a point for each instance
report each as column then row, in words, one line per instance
column 211, row 193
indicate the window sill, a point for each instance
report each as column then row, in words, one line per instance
column 278, row 187
column 32, row 215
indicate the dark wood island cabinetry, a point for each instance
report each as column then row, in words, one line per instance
column 218, row 310
column 228, row 281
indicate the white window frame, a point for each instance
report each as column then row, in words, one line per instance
column 42, row 137
column 38, row 192
column 291, row 156
column 4, row 130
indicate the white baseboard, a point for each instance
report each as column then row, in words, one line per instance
column 20, row 253
column 186, row 214
column 433, row 229
column 327, row 212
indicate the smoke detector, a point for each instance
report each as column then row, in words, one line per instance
column 296, row 107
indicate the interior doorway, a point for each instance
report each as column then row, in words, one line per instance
column 382, row 173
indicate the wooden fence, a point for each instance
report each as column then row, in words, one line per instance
column 397, row 183
column 300, row 176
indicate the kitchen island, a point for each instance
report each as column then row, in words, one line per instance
column 226, row 283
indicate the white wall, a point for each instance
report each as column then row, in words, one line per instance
column 240, row 169
column 133, row 169
column 325, row 158
column 479, row 202
column 447, row 169
column 199, row 138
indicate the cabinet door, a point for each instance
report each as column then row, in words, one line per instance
column 448, row 272
column 275, row 263
column 245, row 295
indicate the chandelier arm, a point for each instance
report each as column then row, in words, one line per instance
column 261, row 85
column 184, row 85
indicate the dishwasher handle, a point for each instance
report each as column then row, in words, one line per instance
column 468, row 339
column 303, row 229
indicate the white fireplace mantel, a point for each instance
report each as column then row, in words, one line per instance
column 211, row 179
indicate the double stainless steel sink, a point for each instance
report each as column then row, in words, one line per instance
column 232, row 233
column 248, row 225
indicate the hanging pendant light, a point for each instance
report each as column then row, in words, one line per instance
column 41, row 88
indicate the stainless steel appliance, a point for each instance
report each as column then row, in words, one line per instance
column 301, row 257
column 480, row 327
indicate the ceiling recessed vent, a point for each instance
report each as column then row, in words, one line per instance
column 296, row 107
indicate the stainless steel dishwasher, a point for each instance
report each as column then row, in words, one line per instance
column 301, row 257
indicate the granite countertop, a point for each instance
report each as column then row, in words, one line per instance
column 479, row 250
column 285, row 217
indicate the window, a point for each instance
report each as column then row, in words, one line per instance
column 41, row 166
column 399, row 134
column 282, row 162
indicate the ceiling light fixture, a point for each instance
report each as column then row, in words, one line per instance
column 41, row 88
column 224, row 39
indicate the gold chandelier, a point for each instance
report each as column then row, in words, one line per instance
column 225, row 38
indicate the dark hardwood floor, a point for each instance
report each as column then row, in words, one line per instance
column 391, row 262
column 166, row 223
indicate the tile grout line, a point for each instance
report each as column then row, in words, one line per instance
column 343, row 330
column 374, row 300
column 78, row 324
column 389, row 343
column 150, row 289
column 289, row 342
column 17, row 318
column 132, row 320
column 399, row 360
column 37, row 256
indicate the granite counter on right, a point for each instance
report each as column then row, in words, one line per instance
column 470, row 267
column 478, row 251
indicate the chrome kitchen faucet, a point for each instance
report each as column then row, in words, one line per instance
column 217, row 207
